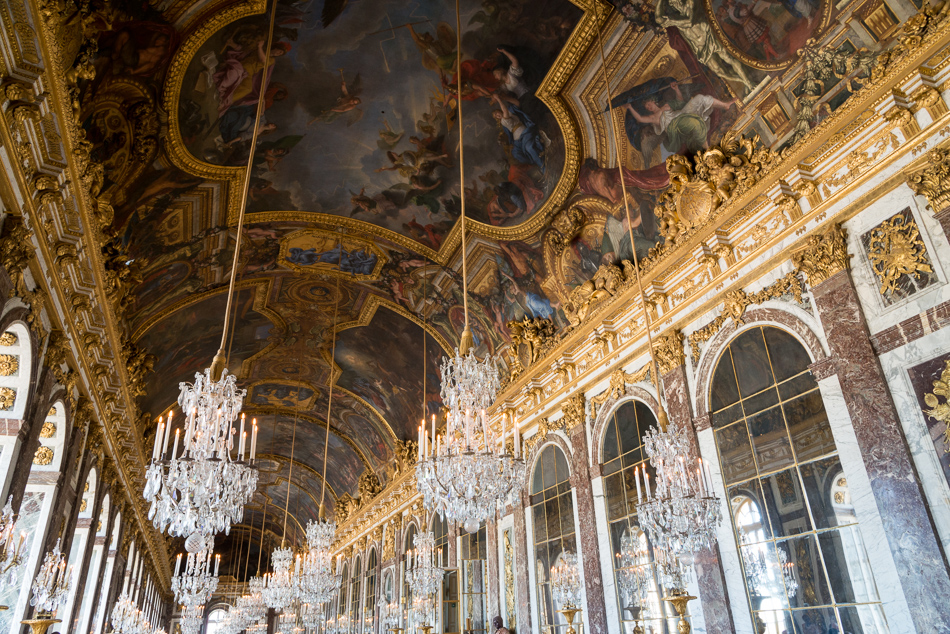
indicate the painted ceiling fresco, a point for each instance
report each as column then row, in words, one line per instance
column 354, row 193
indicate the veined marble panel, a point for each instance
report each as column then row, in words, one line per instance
column 606, row 557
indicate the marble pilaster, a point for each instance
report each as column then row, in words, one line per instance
column 522, row 589
column 493, row 597
column 596, row 611
column 918, row 557
column 707, row 564
column 943, row 217
column 86, row 558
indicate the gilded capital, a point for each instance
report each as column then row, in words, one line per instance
column 669, row 351
column 823, row 255
column 574, row 411
column 933, row 182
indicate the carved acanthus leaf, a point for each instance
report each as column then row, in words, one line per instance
column 823, row 255
column 669, row 351
column 933, row 182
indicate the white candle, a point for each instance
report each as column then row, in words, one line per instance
column 242, row 437
column 708, row 474
column 168, row 433
column 702, row 481
column 175, row 448
column 217, row 564
column 433, row 429
column 646, row 480
column 158, row 438
column 501, row 448
column 636, row 476
column 517, row 440
column 485, row 428
column 241, row 448
column 177, row 564
column 254, row 439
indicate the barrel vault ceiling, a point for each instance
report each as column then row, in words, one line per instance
column 354, row 195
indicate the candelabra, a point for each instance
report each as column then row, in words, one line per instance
column 196, row 584
column 202, row 490
column 566, row 587
column 423, row 612
column 424, row 565
column 50, row 590
column 316, row 582
column 191, row 618
column 389, row 615
column 635, row 577
column 11, row 548
column 279, row 586
column 466, row 474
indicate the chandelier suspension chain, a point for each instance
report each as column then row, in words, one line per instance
column 661, row 415
column 290, row 469
column 458, row 89
column 219, row 358
column 326, row 443
column 260, row 550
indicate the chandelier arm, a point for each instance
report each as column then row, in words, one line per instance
column 326, row 442
column 219, row 357
column 661, row 414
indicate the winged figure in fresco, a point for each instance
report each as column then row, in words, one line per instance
column 388, row 138
column 346, row 104
column 438, row 51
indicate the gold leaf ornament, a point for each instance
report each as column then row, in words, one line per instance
column 896, row 250
column 940, row 411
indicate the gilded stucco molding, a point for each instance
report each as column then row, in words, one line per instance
column 895, row 249
column 933, row 182
column 619, row 381
column 940, row 411
column 823, row 255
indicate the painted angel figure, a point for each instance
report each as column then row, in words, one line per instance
column 348, row 102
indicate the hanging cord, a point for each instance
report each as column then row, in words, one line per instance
column 425, row 355
column 466, row 342
column 290, row 470
column 217, row 366
column 260, row 551
column 662, row 419
column 326, row 442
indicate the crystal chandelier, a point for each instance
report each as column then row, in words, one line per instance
column 389, row 614
column 280, row 589
column 11, row 547
column 635, row 578
column 566, row 587
column 339, row 625
column 423, row 566
column 312, row 615
column 196, row 584
column 423, row 612
column 316, row 583
column 252, row 602
column 191, row 618
column 234, row 620
column 124, row 615
column 51, row 585
column 681, row 516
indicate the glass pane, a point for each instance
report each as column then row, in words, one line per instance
column 614, row 492
column 751, row 362
column 537, row 481
column 785, row 504
column 630, row 483
column 566, row 510
column 726, row 416
column 761, row 401
column 770, row 440
column 821, row 478
column 548, row 470
column 763, row 576
column 735, row 452
column 724, row 390
column 633, row 457
column 804, row 382
column 563, row 474
column 551, row 518
column 540, row 525
column 808, row 425
column 787, row 354
column 849, row 570
column 611, row 444
column 645, row 419
column 863, row 619
column 626, row 418
column 774, row 622
column 749, row 513
column 804, row 573
column 814, row 621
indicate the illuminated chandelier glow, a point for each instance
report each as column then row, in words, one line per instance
column 196, row 584
column 11, row 547
column 51, row 585
column 124, row 615
column 316, row 583
column 202, row 490
column 280, row 588
column 682, row 514
column 566, row 581
column 423, row 567
column 252, row 602
column 234, row 620
column 634, row 578
column 191, row 618
column 312, row 615
column 468, row 474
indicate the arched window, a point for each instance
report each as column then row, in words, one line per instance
column 214, row 620
column 552, row 513
column 474, row 556
column 15, row 365
column 344, row 588
column 355, row 595
column 622, row 453
column 450, row 596
column 369, row 593
column 804, row 563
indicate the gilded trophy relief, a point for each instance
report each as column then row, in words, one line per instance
column 898, row 257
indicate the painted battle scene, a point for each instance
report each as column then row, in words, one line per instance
column 373, row 134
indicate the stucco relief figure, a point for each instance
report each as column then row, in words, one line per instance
column 692, row 25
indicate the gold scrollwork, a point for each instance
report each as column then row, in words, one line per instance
column 823, row 255
column 43, row 456
column 896, row 250
column 619, row 380
column 941, row 411
column 934, row 181
column 537, row 335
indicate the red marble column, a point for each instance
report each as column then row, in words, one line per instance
column 587, row 531
column 709, row 573
column 522, row 581
column 917, row 554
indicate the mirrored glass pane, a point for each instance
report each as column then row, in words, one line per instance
column 552, row 518
column 724, row 389
column 763, row 576
column 815, row 620
column 645, row 420
column 787, row 354
column 549, row 471
column 761, row 401
column 726, row 416
column 626, row 418
column 751, row 362
column 774, row 622
column 804, row 573
column 614, row 493
column 800, row 384
column 540, row 524
column 611, row 444
column 566, row 510
column 563, row 473
column 849, row 570
column 735, row 452
column 785, row 504
column 749, row 514
column 809, row 427
column 770, row 440
column 863, row 619
column 824, row 484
